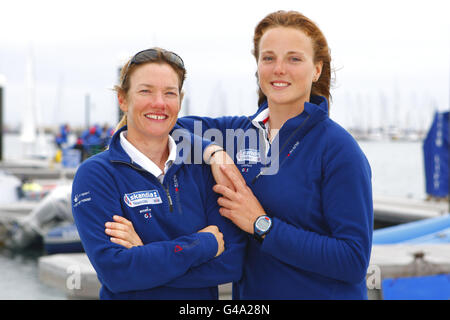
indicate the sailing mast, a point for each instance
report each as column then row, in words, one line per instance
column 31, row 135
column 28, row 125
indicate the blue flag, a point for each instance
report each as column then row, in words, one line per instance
column 436, row 150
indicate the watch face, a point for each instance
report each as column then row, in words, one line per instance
column 263, row 223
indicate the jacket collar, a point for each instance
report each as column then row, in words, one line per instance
column 138, row 157
column 316, row 109
column 118, row 154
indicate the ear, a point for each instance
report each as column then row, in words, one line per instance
column 122, row 101
column 317, row 70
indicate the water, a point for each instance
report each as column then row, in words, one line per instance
column 397, row 169
column 19, row 278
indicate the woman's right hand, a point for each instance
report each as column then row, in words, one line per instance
column 221, row 157
column 122, row 232
column 219, row 237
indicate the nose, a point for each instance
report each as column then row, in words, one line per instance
column 158, row 100
column 279, row 67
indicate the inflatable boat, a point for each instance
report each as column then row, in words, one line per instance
column 433, row 230
column 64, row 239
column 431, row 281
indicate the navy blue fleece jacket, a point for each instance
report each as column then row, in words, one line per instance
column 319, row 197
column 175, row 262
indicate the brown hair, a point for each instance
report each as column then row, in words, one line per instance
column 128, row 68
column 297, row 20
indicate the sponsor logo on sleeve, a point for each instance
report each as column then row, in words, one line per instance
column 81, row 198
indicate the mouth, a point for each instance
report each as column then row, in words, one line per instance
column 153, row 116
column 280, row 84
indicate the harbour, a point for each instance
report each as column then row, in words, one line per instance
column 59, row 99
column 36, row 274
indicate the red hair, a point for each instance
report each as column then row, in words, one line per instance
column 297, row 20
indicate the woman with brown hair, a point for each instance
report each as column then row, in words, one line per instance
column 311, row 220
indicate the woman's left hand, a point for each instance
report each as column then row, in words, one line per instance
column 240, row 206
column 122, row 232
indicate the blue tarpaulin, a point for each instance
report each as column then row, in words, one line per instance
column 435, row 287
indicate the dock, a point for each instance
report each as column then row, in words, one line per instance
column 37, row 169
column 396, row 210
column 19, row 208
column 74, row 274
column 403, row 261
column 70, row 272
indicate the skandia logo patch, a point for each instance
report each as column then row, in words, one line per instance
column 251, row 155
column 140, row 198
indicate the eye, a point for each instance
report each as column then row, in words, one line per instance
column 296, row 59
column 172, row 93
column 144, row 91
column 267, row 58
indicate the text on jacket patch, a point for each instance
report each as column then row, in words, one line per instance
column 140, row 198
column 81, row 198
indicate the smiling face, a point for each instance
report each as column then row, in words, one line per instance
column 286, row 67
column 152, row 102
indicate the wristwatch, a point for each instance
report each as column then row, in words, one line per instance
column 261, row 227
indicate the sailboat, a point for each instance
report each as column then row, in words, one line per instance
column 28, row 125
column 31, row 135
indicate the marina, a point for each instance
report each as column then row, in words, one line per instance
column 61, row 86
column 60, row 269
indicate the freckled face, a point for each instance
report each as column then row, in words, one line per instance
column 153, row 101
column 286, row 67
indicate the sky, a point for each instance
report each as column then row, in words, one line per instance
column 391, row 57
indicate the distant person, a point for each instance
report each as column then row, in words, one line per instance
column 62, row 136
column 106, row 136
column 92, row 140
column 183, row 247
column 302, row 191
column 79, row 146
